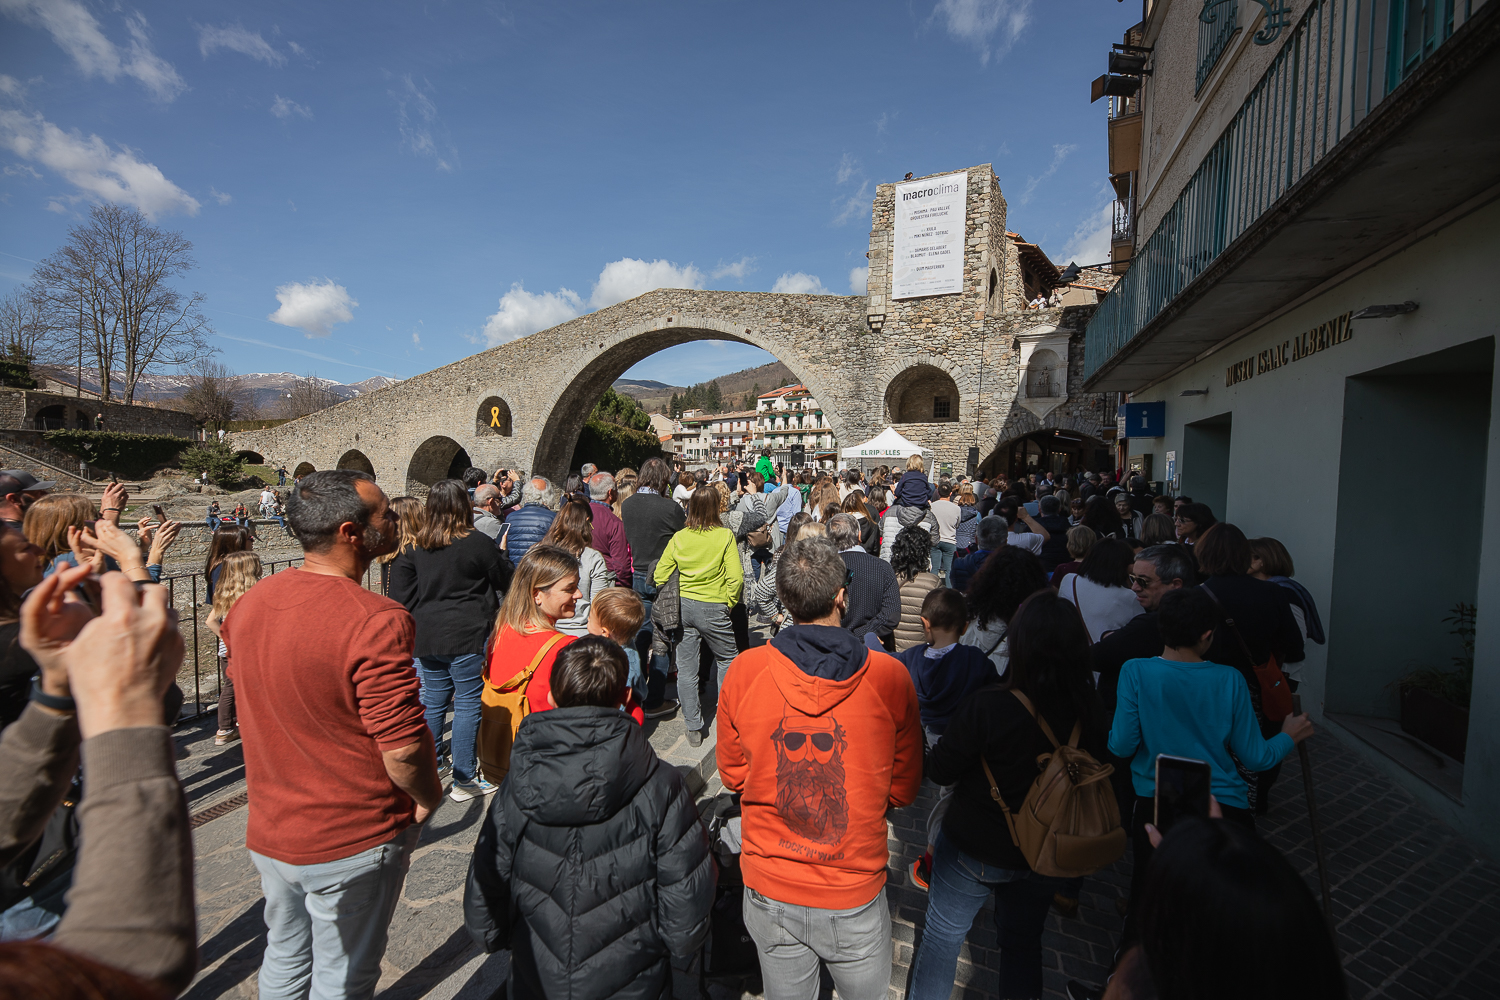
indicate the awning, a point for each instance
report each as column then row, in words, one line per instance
column 885, row 445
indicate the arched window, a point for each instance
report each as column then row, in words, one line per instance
column 922, row 394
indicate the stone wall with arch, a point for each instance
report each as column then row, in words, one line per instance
column 356, row 460
column 493, row 418
column 920, row 394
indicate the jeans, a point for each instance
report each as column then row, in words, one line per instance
column 960, row 885
column 792, row 940
column 710, row 622
column 326, row 924
column 942, row 561
column 460, row 680
column 227, row 719
column 656, row 677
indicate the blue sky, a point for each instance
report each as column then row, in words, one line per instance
column 386, row 187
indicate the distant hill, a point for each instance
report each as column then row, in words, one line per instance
column 654, row 396
column 266, row 387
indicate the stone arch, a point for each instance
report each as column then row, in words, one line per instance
column 253, row 457
column 303, row 469
column 51, row 418
column 356, row 460
column 493, row 418
column 922, row 394
column 1073, row 432
column 435, row 459
column 561, row 428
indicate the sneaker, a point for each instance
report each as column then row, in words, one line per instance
column 224, row 737
column 695, row 738
column 666, row 708
column 1078, row 991
column 1066, row 906
column 921, row 872
column 463, row 791
column 444, row 765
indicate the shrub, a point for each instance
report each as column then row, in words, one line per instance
column 134, row 456
column 224, row 467
column 611, row 446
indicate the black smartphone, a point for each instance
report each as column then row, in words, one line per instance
column 1183, row 786
column 161, row 515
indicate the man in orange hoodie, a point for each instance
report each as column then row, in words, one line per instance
column 820, row 736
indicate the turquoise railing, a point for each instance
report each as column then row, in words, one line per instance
column 1340, row 60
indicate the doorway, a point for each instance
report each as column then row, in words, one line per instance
column 1205, row 462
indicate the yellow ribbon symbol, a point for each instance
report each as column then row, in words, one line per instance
column 494, row 416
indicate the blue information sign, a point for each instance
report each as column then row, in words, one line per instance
column 1145, row 420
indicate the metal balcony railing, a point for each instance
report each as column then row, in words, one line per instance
column 1338, row 63
column 1217, row 24
column 1122, row 228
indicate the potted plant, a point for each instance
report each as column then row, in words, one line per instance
column 1435, row 703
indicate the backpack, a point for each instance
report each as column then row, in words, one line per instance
column 1069, row 824
column 502, row 709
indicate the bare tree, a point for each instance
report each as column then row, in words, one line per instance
column 304, row 396
column 28, row 326
column 115, row 269
column 215, row 395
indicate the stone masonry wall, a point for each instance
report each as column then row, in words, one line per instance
column 19, row 409
column 547, row 383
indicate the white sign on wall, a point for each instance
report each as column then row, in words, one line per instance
column 929, row 253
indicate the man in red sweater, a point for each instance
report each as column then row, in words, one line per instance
column 821, row 736
column 339, row 762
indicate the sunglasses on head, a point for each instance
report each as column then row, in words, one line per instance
column 820, row 741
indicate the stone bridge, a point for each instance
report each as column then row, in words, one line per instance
column 971, row 369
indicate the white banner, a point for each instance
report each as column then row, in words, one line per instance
column 929, row 254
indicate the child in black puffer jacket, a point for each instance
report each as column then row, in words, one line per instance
column 594, row 844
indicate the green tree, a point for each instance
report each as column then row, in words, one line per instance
column 713, row 398
column 622, row 410
column 224, row 468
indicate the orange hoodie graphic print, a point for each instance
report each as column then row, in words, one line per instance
column 810, row 792
column 817, row 762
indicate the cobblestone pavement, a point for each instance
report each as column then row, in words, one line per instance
column 1417, row 907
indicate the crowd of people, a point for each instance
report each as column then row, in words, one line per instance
column 868, row 631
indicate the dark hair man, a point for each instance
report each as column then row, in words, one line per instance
column 322, row 668
column 874, row 596
column 989, row 536
column 473, row 477
column 609, row 530
column 804, row 721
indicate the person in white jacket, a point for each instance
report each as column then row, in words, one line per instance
column 1100, row 590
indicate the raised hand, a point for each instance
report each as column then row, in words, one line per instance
column 120, row 663
column 51, row 619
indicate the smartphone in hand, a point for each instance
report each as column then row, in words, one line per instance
column 1183, row 787
column 161, row 515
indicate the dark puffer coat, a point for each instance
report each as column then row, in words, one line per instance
column 592, row 865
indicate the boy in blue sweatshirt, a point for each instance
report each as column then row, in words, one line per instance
column 945, row 673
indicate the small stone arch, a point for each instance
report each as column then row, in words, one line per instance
column 922, row 394
column 439, row 457
column 356, row 460
column 1046, row 375
column 303, row 469
column 52, row 418
column 493, row 418
column 253, row 457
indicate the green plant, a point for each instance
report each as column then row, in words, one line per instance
column 134, row 456
column 224, row 467
column 611, row 446
column 1454, row 685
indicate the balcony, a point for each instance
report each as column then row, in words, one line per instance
column 1369, row 127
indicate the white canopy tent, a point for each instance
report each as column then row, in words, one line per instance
column 885, row 448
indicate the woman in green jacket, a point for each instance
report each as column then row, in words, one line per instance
column 710, row 581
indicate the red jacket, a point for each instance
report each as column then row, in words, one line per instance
column 821, row 736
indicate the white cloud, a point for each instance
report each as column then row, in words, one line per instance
column 78, row 33
column 416, row 120
column 11, row 87
column 847, row 166
column 859, row 280
column 734, row 269
column 799, row 283
column 978, row 21
column 114, row 175
column 296, row 48
column 237, row 38
column 850, row 207
column 1059, row 154
column 283, row 108
column 1090, row 241
column 220, row 196
column 416, row 339
column 314, row 307
column 522, row 312
column 628, row 277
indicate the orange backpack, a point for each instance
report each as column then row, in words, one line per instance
column 502, row 708
column 1069, row 824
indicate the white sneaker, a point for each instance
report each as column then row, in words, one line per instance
column 464, row 791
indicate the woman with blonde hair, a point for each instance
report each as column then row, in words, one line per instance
column 69, row 533
column 967, row 530
column 543, row 591
column 573, row 529
column 451, row 580
column 409, row 513
column 712, row 577
column 239, row 571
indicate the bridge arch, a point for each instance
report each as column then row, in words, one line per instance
column 439, row 457
column 922, row 394
column 493, row 418
column 303, row 469
column 563, row 424
column 356, row 460
column 253, row 457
